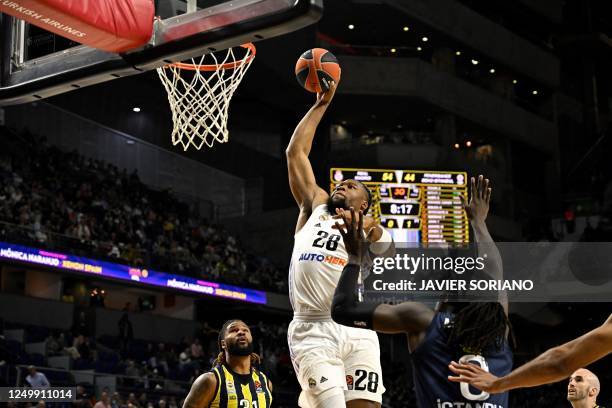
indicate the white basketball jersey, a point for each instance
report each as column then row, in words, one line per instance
column 317, row 261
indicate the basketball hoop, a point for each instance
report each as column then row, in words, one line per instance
column 200, row 92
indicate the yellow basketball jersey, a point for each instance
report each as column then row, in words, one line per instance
column 240, row 390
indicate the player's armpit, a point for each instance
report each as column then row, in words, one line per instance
column 407, row 317
column 202, row 391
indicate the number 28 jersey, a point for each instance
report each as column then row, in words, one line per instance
column 317, row 261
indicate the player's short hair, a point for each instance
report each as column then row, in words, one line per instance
column 368, row 193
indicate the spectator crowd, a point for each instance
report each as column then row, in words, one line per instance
column 66, row 201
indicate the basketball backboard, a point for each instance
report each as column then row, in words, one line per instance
column 37, row 64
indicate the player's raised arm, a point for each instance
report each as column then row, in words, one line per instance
column 302, row 181
column 202, row 391
column 477, row 210
column 408, row 317
column 554, row 365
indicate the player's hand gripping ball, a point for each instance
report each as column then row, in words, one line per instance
column 316, row 69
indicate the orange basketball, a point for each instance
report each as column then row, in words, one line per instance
column 316, row 68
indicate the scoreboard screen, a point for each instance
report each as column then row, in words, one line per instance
column 414, row 205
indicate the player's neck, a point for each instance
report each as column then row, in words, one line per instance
column 239, row 364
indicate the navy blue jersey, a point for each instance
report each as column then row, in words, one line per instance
column 430, row 367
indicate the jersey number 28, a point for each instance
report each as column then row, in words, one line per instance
column 326, row 240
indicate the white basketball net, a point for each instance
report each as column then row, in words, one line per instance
column 200, row 96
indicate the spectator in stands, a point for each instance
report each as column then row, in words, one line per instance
column 142, row 400
column 80, row 326
column 104, row 401
column 36, row 379
column 162, row 358
column 52, row 346
column 81, row 343
column 132, row 400
column 116, row 401
column 82, row 399
column 184, row 359
column 5, row 355
column 196, row 350
column 126, row 331
column 172, row 403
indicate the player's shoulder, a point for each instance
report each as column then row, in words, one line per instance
column 207, row 380
column 320, row 209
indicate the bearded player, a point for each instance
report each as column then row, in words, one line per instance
column 234, row 381
column 325, row 354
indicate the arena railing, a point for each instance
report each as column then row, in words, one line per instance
column 116, row 382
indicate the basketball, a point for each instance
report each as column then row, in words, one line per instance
column 316, row 68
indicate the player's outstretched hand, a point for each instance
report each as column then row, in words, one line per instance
column 480, row 196
column 475, row 376
column 351, row 231
column 323, row 98
column 369, row 222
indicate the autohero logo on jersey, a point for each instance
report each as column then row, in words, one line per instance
column 328, row 259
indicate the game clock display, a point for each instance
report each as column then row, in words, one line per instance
column 414, row 205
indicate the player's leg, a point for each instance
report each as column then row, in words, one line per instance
column 363, row 371
column 319, row 370
column 330, row 398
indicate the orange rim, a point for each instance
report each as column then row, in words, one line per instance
column 214, row 67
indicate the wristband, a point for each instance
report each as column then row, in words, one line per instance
column 382, row 244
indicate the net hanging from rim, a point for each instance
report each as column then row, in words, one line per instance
column 200, row 98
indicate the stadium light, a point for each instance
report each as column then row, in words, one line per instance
column 351, row 27
column 136, row 109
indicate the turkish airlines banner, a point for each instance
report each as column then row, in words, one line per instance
column 109, row 25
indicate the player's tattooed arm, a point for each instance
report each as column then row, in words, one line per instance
column 202, row 391
column 554, row 365
column 302, row 181
column 477, row 210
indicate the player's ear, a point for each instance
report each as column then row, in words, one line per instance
column 363, row 206
column 223, row 345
